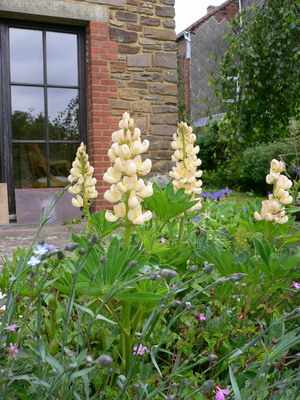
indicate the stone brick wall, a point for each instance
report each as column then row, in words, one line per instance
column 146, row 71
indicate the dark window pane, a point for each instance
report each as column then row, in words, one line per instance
column 62, row 68
column 61, row 158
column 26, row 55
column 63, row 114
column 29, row 163
column 27, row 113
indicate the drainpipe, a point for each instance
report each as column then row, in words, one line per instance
column 187, row 36
column 240, row 12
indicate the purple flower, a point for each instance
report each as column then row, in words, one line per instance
column 196, row 219
column 220, row 393
column 13, row 350
column 33, row 261
column 162, row 240
column 43, row 249
column 297, row 170
column 206, row 195
column 295, row 285
column 139, row 350
column 200, row 317
column 12, row 327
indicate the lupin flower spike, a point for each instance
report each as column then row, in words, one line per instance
column 185, row 172
column 128, row 190
column 272, row 209
column 81, row 176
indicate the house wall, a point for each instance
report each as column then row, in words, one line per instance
column 131, row 65
column 206, row 42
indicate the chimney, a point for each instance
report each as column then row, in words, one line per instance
column 210, row 8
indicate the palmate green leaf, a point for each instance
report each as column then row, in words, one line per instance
column 102, row 227
column 167, row 204
column 263, row 249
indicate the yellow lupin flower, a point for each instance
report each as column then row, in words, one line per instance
column 185, row 172
column 127, row 189
column 81, row 173
column 272, row 209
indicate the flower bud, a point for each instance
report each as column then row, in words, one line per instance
column 167, row 273
column 212, row 357
column 71, row 246
column 208, row 268
column 104, row 360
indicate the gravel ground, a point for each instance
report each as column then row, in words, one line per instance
column 13, row 236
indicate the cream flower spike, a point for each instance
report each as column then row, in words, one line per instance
column 128, row 190
column 81, row 178
column 185, row 172
column 272, row 209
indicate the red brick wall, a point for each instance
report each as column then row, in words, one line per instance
column 101, row 52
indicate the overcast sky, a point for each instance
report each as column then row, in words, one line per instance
column 189, row 11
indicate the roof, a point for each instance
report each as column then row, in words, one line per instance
column 203, row 19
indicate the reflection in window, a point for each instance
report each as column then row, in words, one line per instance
column 61, row 157
column 63, row 114
column 27, row 113
column 30, row 169
column 62, row 59
column 26, row 55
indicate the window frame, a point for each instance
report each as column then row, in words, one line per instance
column 6, row 140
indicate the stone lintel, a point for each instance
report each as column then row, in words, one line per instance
column 68, row 10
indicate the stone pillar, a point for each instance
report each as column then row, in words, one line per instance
column 146, row 72
column 4, row 216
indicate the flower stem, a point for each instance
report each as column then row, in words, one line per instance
column 127, row 235
column 181, row 229
column 126, row 336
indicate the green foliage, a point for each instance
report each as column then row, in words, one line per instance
column 244, row 170
column 264, row 55
column 217, row 309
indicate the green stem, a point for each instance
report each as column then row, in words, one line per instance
column 86, row 211
column 126, row 337
column 127, row 235
column 181, row 229
column 267, row 231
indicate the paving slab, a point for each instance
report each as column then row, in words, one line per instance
column 14, row 235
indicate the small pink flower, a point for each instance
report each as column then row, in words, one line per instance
column 140, row 350
column 295, row 285
column 241, row 316
column 12, row 327
column 162, row 240
column 200, row 317
column 13, row 350
column 220, row 393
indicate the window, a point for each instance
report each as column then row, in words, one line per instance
column 43, row 107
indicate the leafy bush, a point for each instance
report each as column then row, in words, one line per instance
column 247, row 170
